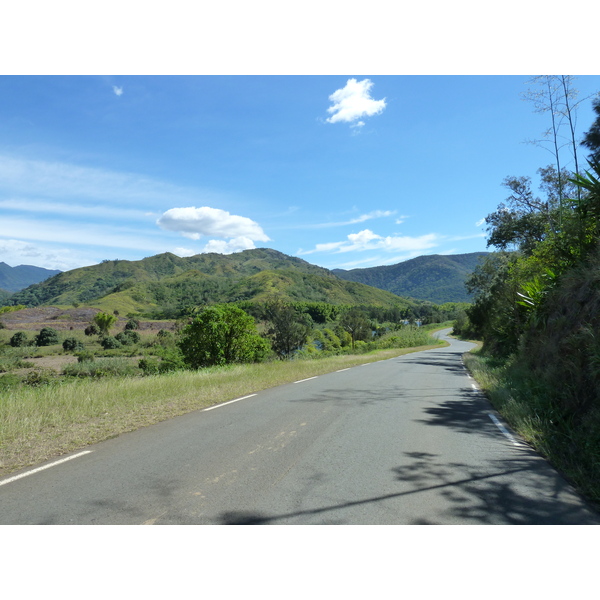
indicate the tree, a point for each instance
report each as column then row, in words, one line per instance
column 289, row 329
column 356, row 324
column 19, row 339
column 220, row 335
column 46, row 337
column 104, row 322
column 591, row 139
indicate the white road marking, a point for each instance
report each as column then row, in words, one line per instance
column 307, row 379
column 504, row 430
column 57, row 462
column 230, row 402
column 341, row 370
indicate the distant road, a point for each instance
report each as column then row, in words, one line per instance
column 402, row 441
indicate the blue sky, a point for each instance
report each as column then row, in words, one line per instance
column 343, row 171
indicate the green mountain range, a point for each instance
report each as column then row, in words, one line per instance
column 167, row 284
column 13, row 279
column 435, row 278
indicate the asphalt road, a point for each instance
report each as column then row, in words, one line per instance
column 402, row 441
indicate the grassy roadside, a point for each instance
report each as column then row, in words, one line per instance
column 571, row 445
column 40, row 423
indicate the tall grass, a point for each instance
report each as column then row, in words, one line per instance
column 49, row 420
column 571, row 444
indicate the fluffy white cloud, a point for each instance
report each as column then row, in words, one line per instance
column 222, row 247
column 117, row 90
column 195, row 222
column 353, row 102
column 367, row 240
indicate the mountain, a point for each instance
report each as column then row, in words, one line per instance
column 14, row 279
column 435, row 278
column 167, row 284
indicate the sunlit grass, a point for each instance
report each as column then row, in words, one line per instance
column 37, row 423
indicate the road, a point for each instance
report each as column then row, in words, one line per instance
column 408, row 440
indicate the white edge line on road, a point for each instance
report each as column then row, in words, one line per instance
column 307, row 379
column 503, row 430
column 53, row 464
column 342, row 370
column 230, row 402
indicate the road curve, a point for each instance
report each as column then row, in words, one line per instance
column 408, row 440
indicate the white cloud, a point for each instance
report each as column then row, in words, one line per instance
column 234, row 245
column 184, row 252
column 117, row 90
column 353, row 102
column 193, row 223
column 50, row 179
column 368, row 240
column 480, row 223
column 374, row 214
column 17, row 252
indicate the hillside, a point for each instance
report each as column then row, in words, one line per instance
column 14, row 279
column 435, row 278
column 168, row 284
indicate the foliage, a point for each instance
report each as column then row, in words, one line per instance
column 102, row 367
column 104, row 322
column 356, row 324
column 128, row 337
column 110, row 343
column 9, row 309
column 289, row 328
column 46, row 337
column 91, row 330
column 19, row 339
column 132, row 324
column 72, row 345
column 219, row 335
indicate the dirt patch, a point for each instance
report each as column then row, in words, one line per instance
column 55, row 363
column 34, row 319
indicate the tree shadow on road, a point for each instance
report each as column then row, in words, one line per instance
column 521, row 490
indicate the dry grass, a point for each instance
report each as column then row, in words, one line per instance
column 37, row 424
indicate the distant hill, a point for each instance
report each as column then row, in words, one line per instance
column 435, row 278
column 167, row 283
column 14, row 279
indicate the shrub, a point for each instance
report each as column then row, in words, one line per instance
column 132, row 324
column 110, row 343
column 91, row 330
column 103, row 367
column 85, row 356
column 128, row 337
column 72, row 344
column 19, row 339
column 46, row 337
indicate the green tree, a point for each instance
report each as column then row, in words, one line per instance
column 356, row 324
column 591, row 139
column 289, row 329
column 19, row 339
column 46, row 337
column 104, row 322
column 220, row 335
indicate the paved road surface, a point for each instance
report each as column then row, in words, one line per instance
column 402, row 441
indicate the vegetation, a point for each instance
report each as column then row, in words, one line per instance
column 434, row 278
column 536, row 307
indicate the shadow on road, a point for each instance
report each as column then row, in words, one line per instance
column 499, row 494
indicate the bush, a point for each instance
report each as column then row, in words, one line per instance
column 103, row 367
column 128, row 337
column 72, row 345
column 47, row 337
column 132, row 324
column 91, row 330
column 110, row 343
column 19, row 339
column 85, row 356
